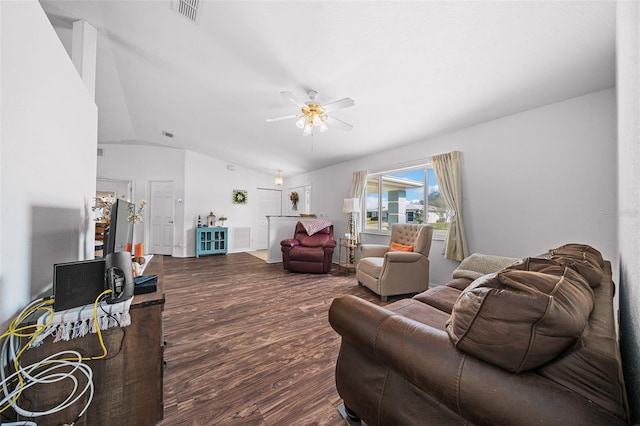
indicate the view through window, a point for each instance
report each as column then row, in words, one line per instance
column 401, row 196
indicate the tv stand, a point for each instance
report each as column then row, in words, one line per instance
column 128, row 383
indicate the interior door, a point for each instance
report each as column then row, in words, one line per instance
column 269, row 204
column 161, row 217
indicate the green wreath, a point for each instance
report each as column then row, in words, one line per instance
column 239, row 196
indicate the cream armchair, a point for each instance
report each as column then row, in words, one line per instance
column 388, row 273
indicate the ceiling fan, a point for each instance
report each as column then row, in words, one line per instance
column 312, row 114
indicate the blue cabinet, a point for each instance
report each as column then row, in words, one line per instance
column 211, row 240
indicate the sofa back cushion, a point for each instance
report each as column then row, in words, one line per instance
column 519, row 319
column 583, row 258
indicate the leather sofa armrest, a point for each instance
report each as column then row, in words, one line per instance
column 290, row 242
column 373, row 250
column 403, row 256
column 427, row 358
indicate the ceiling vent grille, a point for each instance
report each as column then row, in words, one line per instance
column 188, row 8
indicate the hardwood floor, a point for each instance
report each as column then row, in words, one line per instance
column 249, row 343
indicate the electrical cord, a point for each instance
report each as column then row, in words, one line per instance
column 58, row 367
column 122, row 329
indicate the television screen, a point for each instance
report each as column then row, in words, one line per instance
column 120, row 233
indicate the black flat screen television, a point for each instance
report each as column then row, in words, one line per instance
column 120, row 234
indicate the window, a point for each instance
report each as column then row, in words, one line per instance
column 401, row 196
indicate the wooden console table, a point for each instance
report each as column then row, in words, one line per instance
column 128, row 382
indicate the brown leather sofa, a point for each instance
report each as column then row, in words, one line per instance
column 533, row 343
column 309, row 251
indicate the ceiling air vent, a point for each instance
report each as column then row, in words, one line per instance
column 188, row 8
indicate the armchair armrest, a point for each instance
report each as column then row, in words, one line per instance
column 329, row 244
column 289, row 242
column 373, row 250
column 403, row 256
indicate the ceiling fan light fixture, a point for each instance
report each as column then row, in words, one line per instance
column 312, row 114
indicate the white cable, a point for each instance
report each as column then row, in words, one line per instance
column 42, row 372
column 48, row 375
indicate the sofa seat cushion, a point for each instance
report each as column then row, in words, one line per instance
column 442, row 297
column 520, row 319
column 306, row 254
column 420, row 312
column 371, row 266
column 460, row 283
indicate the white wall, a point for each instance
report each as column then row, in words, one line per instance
column 628, row 211
column 531, row 181
column 209, row 188
column 47, row 155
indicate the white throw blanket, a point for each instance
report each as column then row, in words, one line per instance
column 78, row 322
column 313, row 226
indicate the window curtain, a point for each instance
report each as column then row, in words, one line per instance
column 357, row 191
column 447, row 170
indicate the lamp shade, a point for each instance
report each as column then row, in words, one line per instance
column 278, row 179
column 351, row 205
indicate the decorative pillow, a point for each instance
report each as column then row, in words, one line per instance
column 519, row 319
column 399, row 247
column 583, row 258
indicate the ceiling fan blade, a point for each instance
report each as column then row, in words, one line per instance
column 339, row 123
column 339, row 104
column 293, row 99
column 286, row 117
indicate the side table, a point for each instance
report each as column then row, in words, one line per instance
column 348, row 261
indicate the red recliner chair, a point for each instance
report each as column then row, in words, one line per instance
column 308, row 253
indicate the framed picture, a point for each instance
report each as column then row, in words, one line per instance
column 239, row 196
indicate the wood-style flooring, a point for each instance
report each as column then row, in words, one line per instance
column 249, row 343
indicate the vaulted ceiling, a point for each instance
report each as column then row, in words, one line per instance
column 415, row 69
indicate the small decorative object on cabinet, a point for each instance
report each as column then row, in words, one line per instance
column 348, row 262
column 211, row 240
column 211, row 220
